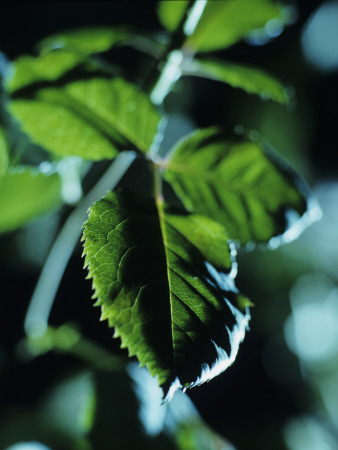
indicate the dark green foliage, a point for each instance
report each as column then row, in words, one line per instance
column 163, row 267
column 162, row 280
column 236, row 183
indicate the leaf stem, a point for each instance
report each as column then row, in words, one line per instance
column 36, row 321
column 158, row 184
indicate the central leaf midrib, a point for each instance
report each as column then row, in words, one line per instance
column 161, row 218
column 210, row 179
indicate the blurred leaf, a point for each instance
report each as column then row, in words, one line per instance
column 26, row 193
column 117, row 421
column 251, row 79
column 225, row 22
column 92, row 118
column 169, row 306
column 85, row 41
column 171, row 13
column 177, row 418
column 27, row 69
column 235, row 183
column 3, row 152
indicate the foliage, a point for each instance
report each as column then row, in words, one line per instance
column 162, row 255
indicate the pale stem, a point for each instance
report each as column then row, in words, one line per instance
column 36, row 321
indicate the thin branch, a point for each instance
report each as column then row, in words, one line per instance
column 36, row 321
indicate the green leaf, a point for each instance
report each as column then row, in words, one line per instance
column 223, row 23
column 26, row 193
column 85, row 41
column 3, row 152
column 171, row 13
column 92, row 118
column 250, row 79
column 165, row 282
column 237, row 184
column 27, row 70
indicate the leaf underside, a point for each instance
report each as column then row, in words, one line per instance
column 174, row 309
column 94, row 118
column 235, row 183
column 85, row 41
column 250, row 79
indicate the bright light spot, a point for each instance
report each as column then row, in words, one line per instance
column 152, row 412
column 69, row 170
column 312, row 332
column 318, row 245
column 297, row 225
column 320, row 37
column 46, row 167
column 307, row 434
column 28, row 446
column 71, row 405
column 274, row 28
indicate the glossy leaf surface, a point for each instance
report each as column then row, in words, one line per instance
column 171, row 13
column 92, row 118
column 224, row 23
column 163, row 281
column 85, row 41
column 3, row 152
column 236, row 183
column 26, row 193
column 27, row 69
column 250, row 79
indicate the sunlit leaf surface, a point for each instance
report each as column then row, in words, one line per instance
column 171, row 13
column 27, row 69
column 92, row 118
column 3, row 152
column 235, row 183
column 225, row 22
column 26, row 193
column 164, row 281
column 250, row 79
column 85, row 41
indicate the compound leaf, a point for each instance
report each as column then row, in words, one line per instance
column 27, row 69
column 250, row 79
column 223, row 23
column 92, row 118
column 26, row 193
column 85, row 41
column 164, row 281
column 236, row 183
column 171, row 13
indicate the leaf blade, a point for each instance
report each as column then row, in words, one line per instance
column 171, row 13
column 236, row 183
column 4, row 160
column 250, row 79
column 97, row 118
column 225, row 23
column 154, row 287
column 85, row 41
column 26, row 193
column 27, row 70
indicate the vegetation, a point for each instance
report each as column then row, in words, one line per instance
column 168, row 211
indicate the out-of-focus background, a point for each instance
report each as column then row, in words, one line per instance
column 282, row 391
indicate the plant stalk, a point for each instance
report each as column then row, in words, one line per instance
column 36, row 321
